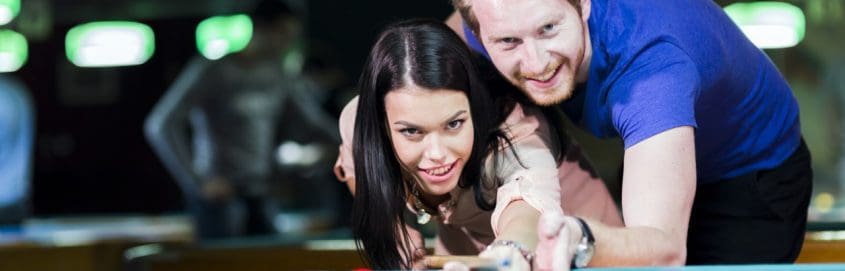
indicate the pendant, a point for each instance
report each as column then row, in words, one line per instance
column 423, row 217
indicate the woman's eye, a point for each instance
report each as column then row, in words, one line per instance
column 409, row 132
column 455, row 124
column 548, row 27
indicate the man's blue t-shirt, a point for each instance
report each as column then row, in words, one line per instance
column 662, row 64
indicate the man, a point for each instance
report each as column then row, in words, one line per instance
column 240, row 109
column 702, row 112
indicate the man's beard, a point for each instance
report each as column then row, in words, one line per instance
column 549, row 97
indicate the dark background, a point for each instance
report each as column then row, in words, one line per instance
column 90, row 153
column 91, row 156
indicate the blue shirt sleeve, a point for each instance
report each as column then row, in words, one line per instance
column 656, row 92
column 473, row 41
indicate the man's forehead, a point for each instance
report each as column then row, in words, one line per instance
column 505, row 16
column 493, row 11
column 488, row 6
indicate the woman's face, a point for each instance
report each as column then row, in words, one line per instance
column 432, row 134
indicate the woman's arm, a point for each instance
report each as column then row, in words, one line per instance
column 519, row 223
column 344, row 168
column 529, row 172
column 417, row 246
column 514, row 246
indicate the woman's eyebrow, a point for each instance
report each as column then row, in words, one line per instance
column 454, row 116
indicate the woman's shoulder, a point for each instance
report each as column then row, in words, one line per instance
column 346, row 121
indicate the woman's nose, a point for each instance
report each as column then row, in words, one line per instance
column 435, row 150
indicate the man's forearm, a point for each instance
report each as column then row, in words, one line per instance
column 635, row 246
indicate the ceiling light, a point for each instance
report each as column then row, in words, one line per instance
column 8, row 10
column 769, row 24
column 109, row 44
column 13, row 50
column 221, row 35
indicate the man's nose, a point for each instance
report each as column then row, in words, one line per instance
column 534, row 61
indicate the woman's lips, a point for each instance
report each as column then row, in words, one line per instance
column 439, row 174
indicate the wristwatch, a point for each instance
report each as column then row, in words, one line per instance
column 586, row 247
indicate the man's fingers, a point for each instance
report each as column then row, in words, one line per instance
column 550, row 224
column 561, row 251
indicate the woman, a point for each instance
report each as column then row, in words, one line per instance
column 432, row 138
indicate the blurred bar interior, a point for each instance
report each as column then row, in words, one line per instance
column 87, row 192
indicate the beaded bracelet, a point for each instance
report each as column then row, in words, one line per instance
column 526, row 253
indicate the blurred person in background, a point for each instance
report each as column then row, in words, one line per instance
column 17, row 125
column 244, row 135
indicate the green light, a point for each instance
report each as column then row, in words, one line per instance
column 769, row 24
column 13, row 51
column 221, row 35
column 109, row 44
column 8, row 10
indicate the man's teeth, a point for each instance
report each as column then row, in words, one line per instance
column 544, row 77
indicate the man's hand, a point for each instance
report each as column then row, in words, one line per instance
column 217, row 189
column 559, row 237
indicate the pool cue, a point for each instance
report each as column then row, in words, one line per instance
column 437, row 261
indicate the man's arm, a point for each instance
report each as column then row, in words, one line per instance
column 306, row 107
column 657, row 194
column 455, row 22
column 164, row 126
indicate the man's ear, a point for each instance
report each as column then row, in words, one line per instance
column 585, row 10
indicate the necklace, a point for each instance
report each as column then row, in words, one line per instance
column 423, row 217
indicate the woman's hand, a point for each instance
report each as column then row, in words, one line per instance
column 497, row 256
column 417, row 247
column 506, row 258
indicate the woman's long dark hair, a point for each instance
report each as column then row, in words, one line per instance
column 433, row 57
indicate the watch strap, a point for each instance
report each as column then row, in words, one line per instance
column 585, row 229
column 584, row 250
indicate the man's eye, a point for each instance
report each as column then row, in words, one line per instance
column 548, row 27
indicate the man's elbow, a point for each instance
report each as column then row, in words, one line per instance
column 674, row 256
column 153, row 128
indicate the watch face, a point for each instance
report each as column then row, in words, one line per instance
column 583, row 254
